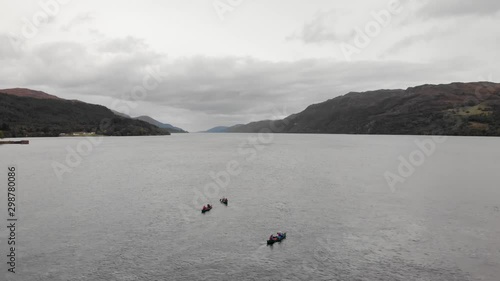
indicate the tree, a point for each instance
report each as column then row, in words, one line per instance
column 1, row 135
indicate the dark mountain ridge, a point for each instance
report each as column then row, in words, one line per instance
column 23, row 92
column 159, row 124
column 36, row 115
column 218, row 129
column 451, row 109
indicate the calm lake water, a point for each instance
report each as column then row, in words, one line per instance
column 129, row 209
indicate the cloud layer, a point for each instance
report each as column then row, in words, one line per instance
column 76, row 57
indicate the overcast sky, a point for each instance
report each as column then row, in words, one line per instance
column 208, row 63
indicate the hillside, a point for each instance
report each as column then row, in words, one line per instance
column 452, row 109
column 159, row 124
column 22, row 92
column 25, row 116
column 121, row 114
column 219, row 129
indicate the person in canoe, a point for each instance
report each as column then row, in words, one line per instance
column 273, row 238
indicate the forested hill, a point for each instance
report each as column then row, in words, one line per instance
column 39, row 115
column 170, row 128
column 452, row 109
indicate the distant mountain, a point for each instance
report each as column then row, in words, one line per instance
column 152, row 121
column 158, row 124
column 120, row 114
column 223, row 129
column 452, row 109
column 29, row 113
column 22, row 92
column 219, row 129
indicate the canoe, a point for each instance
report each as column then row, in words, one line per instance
column 206, row 210
column 270, row 242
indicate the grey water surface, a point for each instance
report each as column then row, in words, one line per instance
column 129, row 208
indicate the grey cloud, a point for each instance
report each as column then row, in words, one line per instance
column 83, row 69
column 259, row 86
column 415, row 39
column 11, row 46
column 328, row 26
column 128, row 44
column 230, row 89
column 453, row 8
column 324, row 27
column 79, row 20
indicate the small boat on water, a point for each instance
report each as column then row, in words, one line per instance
column 275, row 239
column 223, row 201
column 206, row 208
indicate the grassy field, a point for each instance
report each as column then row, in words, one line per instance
column 479, row 109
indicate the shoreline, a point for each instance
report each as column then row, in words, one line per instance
column 15, row 142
